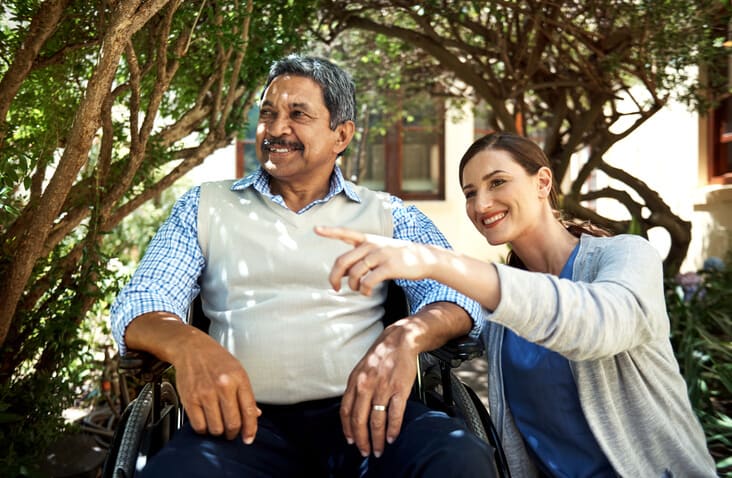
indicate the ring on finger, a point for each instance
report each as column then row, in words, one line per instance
column 379, row 408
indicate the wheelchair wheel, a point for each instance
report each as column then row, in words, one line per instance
column 138, row 436
column 465, row 404
column 462, row 404
column 467, row 409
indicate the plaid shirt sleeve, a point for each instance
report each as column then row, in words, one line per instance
column 166, row 279
column 413, row 225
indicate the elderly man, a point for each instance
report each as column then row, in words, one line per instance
column 299, row 371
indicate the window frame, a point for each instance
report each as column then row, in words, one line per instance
column 719, row 144
column 394, row 158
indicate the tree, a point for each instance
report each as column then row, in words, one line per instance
column 103, row 105
column 557, row 71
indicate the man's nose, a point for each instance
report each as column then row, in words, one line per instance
column 279, row 126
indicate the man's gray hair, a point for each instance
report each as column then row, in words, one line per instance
column 339, row 91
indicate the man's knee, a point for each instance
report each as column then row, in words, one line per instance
column 434, row 444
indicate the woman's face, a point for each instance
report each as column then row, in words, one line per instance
column 501, row 199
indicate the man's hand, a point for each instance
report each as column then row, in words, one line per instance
column 213, row 386
column 215, row 391
column 385, row 375
column 383, row 378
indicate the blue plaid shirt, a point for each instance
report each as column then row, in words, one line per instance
column 167, row 277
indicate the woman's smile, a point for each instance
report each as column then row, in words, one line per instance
column 493, row 219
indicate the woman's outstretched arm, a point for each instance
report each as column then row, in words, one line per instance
column 374, row 259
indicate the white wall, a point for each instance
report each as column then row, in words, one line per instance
column 663, row 153
column 219, row 166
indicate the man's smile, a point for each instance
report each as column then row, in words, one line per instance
column 279, row 146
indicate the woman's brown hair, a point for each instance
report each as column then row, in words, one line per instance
column 531, row 158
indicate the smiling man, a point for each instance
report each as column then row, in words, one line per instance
column 306, row 376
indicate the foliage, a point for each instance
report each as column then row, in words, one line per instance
column 700, row 308
column 103, row 107
column 575, row 76
column 397, row 93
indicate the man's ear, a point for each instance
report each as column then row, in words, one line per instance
column 345, row 133
column 544, row 181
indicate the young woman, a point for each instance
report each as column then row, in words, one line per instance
column 583, row 381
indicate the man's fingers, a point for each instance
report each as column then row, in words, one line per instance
column 355, row 410
column 346, row 410
column 360, row 426
column 249, row 412
column 397, row 405
column 232, row 417
column 214, row 422
column 378, row 421
column 197, row 419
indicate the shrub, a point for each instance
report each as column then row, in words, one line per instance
column 700, row 309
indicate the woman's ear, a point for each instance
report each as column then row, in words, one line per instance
column 544, row 181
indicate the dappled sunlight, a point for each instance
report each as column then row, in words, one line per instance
column 284, row 237
column 459, row 265
column 458, row 434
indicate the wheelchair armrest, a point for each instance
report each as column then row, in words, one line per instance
column 144, row 364
column 458, row 350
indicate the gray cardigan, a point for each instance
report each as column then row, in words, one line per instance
column 610, row 321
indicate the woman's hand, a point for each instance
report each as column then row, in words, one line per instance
column 375, row 259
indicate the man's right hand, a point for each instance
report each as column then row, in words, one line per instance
column 213, row 386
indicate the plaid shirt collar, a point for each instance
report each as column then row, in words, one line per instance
column 259, row 180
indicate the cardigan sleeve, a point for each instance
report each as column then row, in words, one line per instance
column 615, row 302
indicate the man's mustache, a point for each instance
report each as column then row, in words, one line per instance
column 270, row 143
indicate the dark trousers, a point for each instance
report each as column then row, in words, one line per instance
column 306, row 440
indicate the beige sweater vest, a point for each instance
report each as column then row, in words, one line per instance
column 265, row 288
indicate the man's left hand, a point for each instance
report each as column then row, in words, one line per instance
column 377, row 391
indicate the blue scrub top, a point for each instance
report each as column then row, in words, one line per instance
column 543, row 400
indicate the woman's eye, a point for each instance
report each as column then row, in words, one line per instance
column 496, row 182
column 469, row 194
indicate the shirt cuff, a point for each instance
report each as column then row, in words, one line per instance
column 127, row 308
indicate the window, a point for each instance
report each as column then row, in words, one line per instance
column 482, row 119
column 719, row 159
column 246, row 154
column 406, row 157
column 720, row 150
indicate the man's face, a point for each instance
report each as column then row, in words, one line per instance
column 294, row 139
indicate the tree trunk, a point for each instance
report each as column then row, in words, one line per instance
column 25, row 239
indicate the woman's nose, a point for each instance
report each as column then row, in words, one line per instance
column 483, row 201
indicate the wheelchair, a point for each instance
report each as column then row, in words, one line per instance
column 155, row 414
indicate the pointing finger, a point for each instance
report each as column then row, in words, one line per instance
column 348, row 236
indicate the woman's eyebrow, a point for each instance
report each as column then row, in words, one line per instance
column 485, row 178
